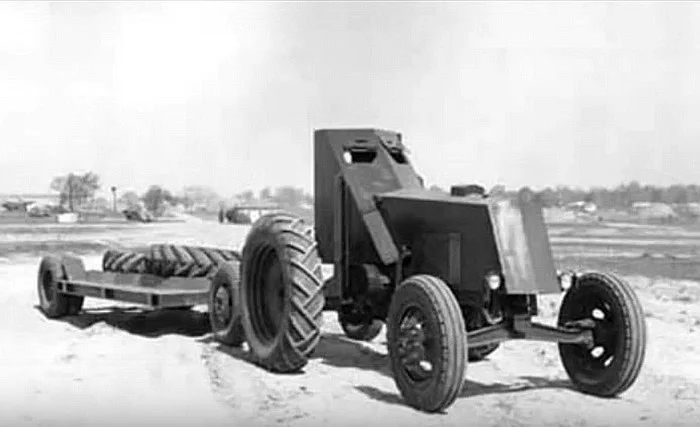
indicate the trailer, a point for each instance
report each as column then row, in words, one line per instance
column 156, row 278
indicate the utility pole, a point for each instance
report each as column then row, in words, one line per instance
column 70, row 192
column 114, row 198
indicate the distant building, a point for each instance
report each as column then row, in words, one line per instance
column 24, row 202
column 650, row 210
column 581, row 206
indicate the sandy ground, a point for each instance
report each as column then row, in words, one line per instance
column 117, row 365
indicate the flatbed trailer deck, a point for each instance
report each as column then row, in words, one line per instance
column 146, row 289
column 65, row 278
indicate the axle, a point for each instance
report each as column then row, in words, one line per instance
column 522, row 327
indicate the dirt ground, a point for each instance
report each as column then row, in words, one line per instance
column 118, row 365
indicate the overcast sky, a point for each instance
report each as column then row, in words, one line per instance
column 228, row 94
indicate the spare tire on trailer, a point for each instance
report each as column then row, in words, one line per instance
column 188, row 261
column 118, row 261
column 281, row 292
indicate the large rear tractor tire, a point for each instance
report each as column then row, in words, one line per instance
column 427, row 342
column 117, row 261
column 615, row 360
column 224, row 305
column 282, row 296
column 53, row 303
column 188, row 261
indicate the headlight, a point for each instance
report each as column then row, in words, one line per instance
column 566, row 279
column 493, row 280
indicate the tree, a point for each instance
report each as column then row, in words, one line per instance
column 246, row 196
column 155, row 198
column 265, row 193
column 76, row 189
column 130, row 199
column 199, row 195
column 289, row 196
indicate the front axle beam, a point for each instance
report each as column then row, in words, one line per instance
column 524, row 328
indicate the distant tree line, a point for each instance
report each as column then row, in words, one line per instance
column 621, row 197
column 75, row 189
column 78, row 189
column 286, row 196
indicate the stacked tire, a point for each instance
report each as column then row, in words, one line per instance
column 119, row 261
column 169, row 260
column 188, row 261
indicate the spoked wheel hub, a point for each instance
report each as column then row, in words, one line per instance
column 223, row 306
column 415, row 346
column 599, row 317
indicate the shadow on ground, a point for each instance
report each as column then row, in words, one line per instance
column 333, row 350
column 340, row 352
column 146, row 323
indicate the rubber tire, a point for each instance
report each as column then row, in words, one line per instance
column 631, row 349
column 75, row 302
column 365, row 332
column 228, row 276
column 117, row 261
column 61, row 304
column 299, row 331
column 480, row 353
column 441, row 309
column 188, row 261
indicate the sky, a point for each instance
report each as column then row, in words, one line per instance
column 228, row 94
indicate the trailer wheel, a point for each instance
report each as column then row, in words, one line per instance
column 282, row 296
column 188, row 261
column 124, row 261
column 427, row 342
column 53, row 303
column 224, row 305
column 615, row 360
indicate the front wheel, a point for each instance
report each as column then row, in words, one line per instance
column 613, row 363
column 427, row 343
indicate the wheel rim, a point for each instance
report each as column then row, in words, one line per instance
column 267, row 295
column 223, row 307
column 47, row 290
column 594, row 360
column 416, row 346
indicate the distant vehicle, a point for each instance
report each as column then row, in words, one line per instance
column 246, row 213
column 17, row 206
column 137, row 214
